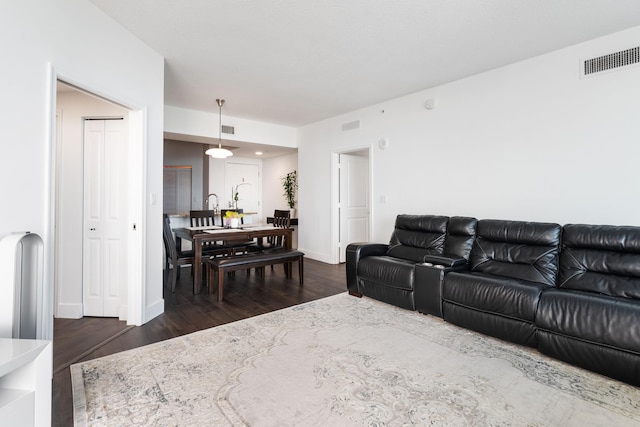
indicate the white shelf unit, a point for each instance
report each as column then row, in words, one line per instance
column 26, row 370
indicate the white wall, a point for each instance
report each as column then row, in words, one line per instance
column 75, row 41
column 530, row 141
column 273, row 169
column 72, row 107
column 199, row 123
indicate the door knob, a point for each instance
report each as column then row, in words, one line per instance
column 92, row 229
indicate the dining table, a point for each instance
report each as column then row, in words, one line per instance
column 200, row 235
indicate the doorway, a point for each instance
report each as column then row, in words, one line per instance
column 72, row 106
column 353, row 199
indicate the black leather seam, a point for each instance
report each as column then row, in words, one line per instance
column 594, row 343
column 485, row 256
column 366, row 282
column 487, row 312
column 577, row 272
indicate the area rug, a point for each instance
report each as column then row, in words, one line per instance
column 343, row 361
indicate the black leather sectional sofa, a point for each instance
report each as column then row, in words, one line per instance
column 572, row 291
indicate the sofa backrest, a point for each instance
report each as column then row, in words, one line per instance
column 415, row 236
column 461, row 233
column 521, row 250
column 601, row 258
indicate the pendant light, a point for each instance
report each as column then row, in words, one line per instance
column 219, row 153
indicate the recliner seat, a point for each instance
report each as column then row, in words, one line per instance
column 387, row 272
column 593, row 319
column 390, row 276
column 511, row 263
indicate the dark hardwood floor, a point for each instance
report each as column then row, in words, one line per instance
column 244, row 296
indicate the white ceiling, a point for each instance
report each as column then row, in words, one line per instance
column 294, row 62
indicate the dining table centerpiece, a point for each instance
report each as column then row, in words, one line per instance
column 232, row 218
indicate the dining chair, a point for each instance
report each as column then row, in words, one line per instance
column 206, row 218
column 173, row 259
column 281, row 219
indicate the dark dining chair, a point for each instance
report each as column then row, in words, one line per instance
column 281, row 219
column 173, row 259
column 205, row 218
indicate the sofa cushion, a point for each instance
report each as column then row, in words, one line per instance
column 520, row 250
column 506, row 297
column 389, row 271
column 592, row 318
column 601, row 259
column 415, row 236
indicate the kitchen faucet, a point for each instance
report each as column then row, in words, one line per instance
column 234, row 193
column 216, row 209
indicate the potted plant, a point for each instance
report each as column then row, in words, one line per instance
column 290, row 184
column 233, row 218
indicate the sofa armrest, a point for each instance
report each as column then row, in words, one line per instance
column 365, row 249
column 428, row 288
column 355, row 252
column 447, row 261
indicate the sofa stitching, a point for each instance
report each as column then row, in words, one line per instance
column 577, row 273
column 595, row 343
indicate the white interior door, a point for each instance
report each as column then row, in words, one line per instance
column 104, row 251
column 353, row 200
column 245, row 179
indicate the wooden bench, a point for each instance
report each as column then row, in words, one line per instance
column 223, row 265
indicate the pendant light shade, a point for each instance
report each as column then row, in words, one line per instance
column 219, row 152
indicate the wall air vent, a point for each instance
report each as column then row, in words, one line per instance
column 351, row 125
column 612, row 61
column 228, row 129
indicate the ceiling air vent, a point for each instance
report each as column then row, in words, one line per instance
column 611, row 61
column 351, row 125
column 228, row 129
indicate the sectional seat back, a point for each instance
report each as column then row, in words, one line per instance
column 511, row 263
column 417, row 236
column 458, row 241
column 387, row 272
column 592, row 319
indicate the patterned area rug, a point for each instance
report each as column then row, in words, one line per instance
column 343, row 361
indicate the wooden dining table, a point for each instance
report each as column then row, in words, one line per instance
column 200, row 235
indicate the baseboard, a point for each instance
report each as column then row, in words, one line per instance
column 316, row 256
column 69, row 311
column 154, row 310
column 124, row 312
